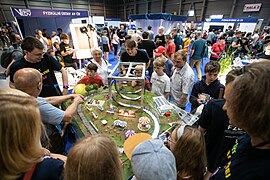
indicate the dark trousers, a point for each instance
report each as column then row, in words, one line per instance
column 115, row 47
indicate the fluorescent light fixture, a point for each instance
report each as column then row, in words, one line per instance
column 216, row 16
column 191, row 13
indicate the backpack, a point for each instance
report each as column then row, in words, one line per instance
column 205, row 51
column 6, row 57
column 70, row 136
column 56, row 143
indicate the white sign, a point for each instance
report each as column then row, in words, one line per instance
column 191, row 13
column 252, row 7
column 216, row 16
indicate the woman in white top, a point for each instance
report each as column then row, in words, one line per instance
column 101, row 64
column 115, row 42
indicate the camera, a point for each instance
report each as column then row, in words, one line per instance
column 83, row 29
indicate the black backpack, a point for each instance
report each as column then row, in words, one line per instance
column 6, row 57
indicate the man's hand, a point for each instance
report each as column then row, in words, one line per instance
column 79, row 99
column 73, row 96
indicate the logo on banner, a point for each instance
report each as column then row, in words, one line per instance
column 252, row 7
column 23, row 12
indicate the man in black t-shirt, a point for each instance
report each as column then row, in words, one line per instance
column 220, row 135
column 149, row 46
column 247, row 106
column 121, row 34
column 44, row 63
column 160, row 38
column 133, row 54
column 230, row 31
column 67, row 52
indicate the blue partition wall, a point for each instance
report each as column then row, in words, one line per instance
column 28, row 25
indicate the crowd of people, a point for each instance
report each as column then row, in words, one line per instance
column 230, row 141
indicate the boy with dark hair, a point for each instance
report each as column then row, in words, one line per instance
column 219, row 134
column 133, row 54
column 91, row 77
column 151, row 33
column 34, row 57
column 208, row 87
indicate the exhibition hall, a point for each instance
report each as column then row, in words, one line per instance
column 134, row 89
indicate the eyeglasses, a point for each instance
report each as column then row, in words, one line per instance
column 169, row 138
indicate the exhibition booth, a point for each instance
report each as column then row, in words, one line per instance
column 82, row 34
column 240, row 24
column 158, row 19
column 31, row 19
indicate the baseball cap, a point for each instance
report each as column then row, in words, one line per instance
column 133, row 141
column 152, row 160
column 159, row 51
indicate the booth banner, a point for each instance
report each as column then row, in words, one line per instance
column 112, row 19
column 243, row 20
column 21, row 12
column 153, row 16
column 252, row 7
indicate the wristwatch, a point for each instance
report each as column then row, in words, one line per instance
column 66, row 86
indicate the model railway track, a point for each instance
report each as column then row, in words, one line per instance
column 126, row 97
column 92, row 129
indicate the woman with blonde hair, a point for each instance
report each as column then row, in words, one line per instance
column 94, row 157
column 21, row 154
column 187, row 145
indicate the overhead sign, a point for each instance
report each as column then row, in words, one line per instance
column 252, row 7
column 216, row 16
column 243, row 20
column 21, row 12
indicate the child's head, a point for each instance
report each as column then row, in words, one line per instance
column 91, row 69
column 211, row 70
column 65, row 38
column 95, row 156
column 187, row 145
column 138, row 70
column 160, row 29
column 159, row 64
column 168, row 37
column 56, row 45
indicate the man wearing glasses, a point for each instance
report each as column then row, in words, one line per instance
column 182, row 80
column 34, row 57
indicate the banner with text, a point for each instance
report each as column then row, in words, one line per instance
column 21, row 12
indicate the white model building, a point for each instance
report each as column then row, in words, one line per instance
column 162, row 105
